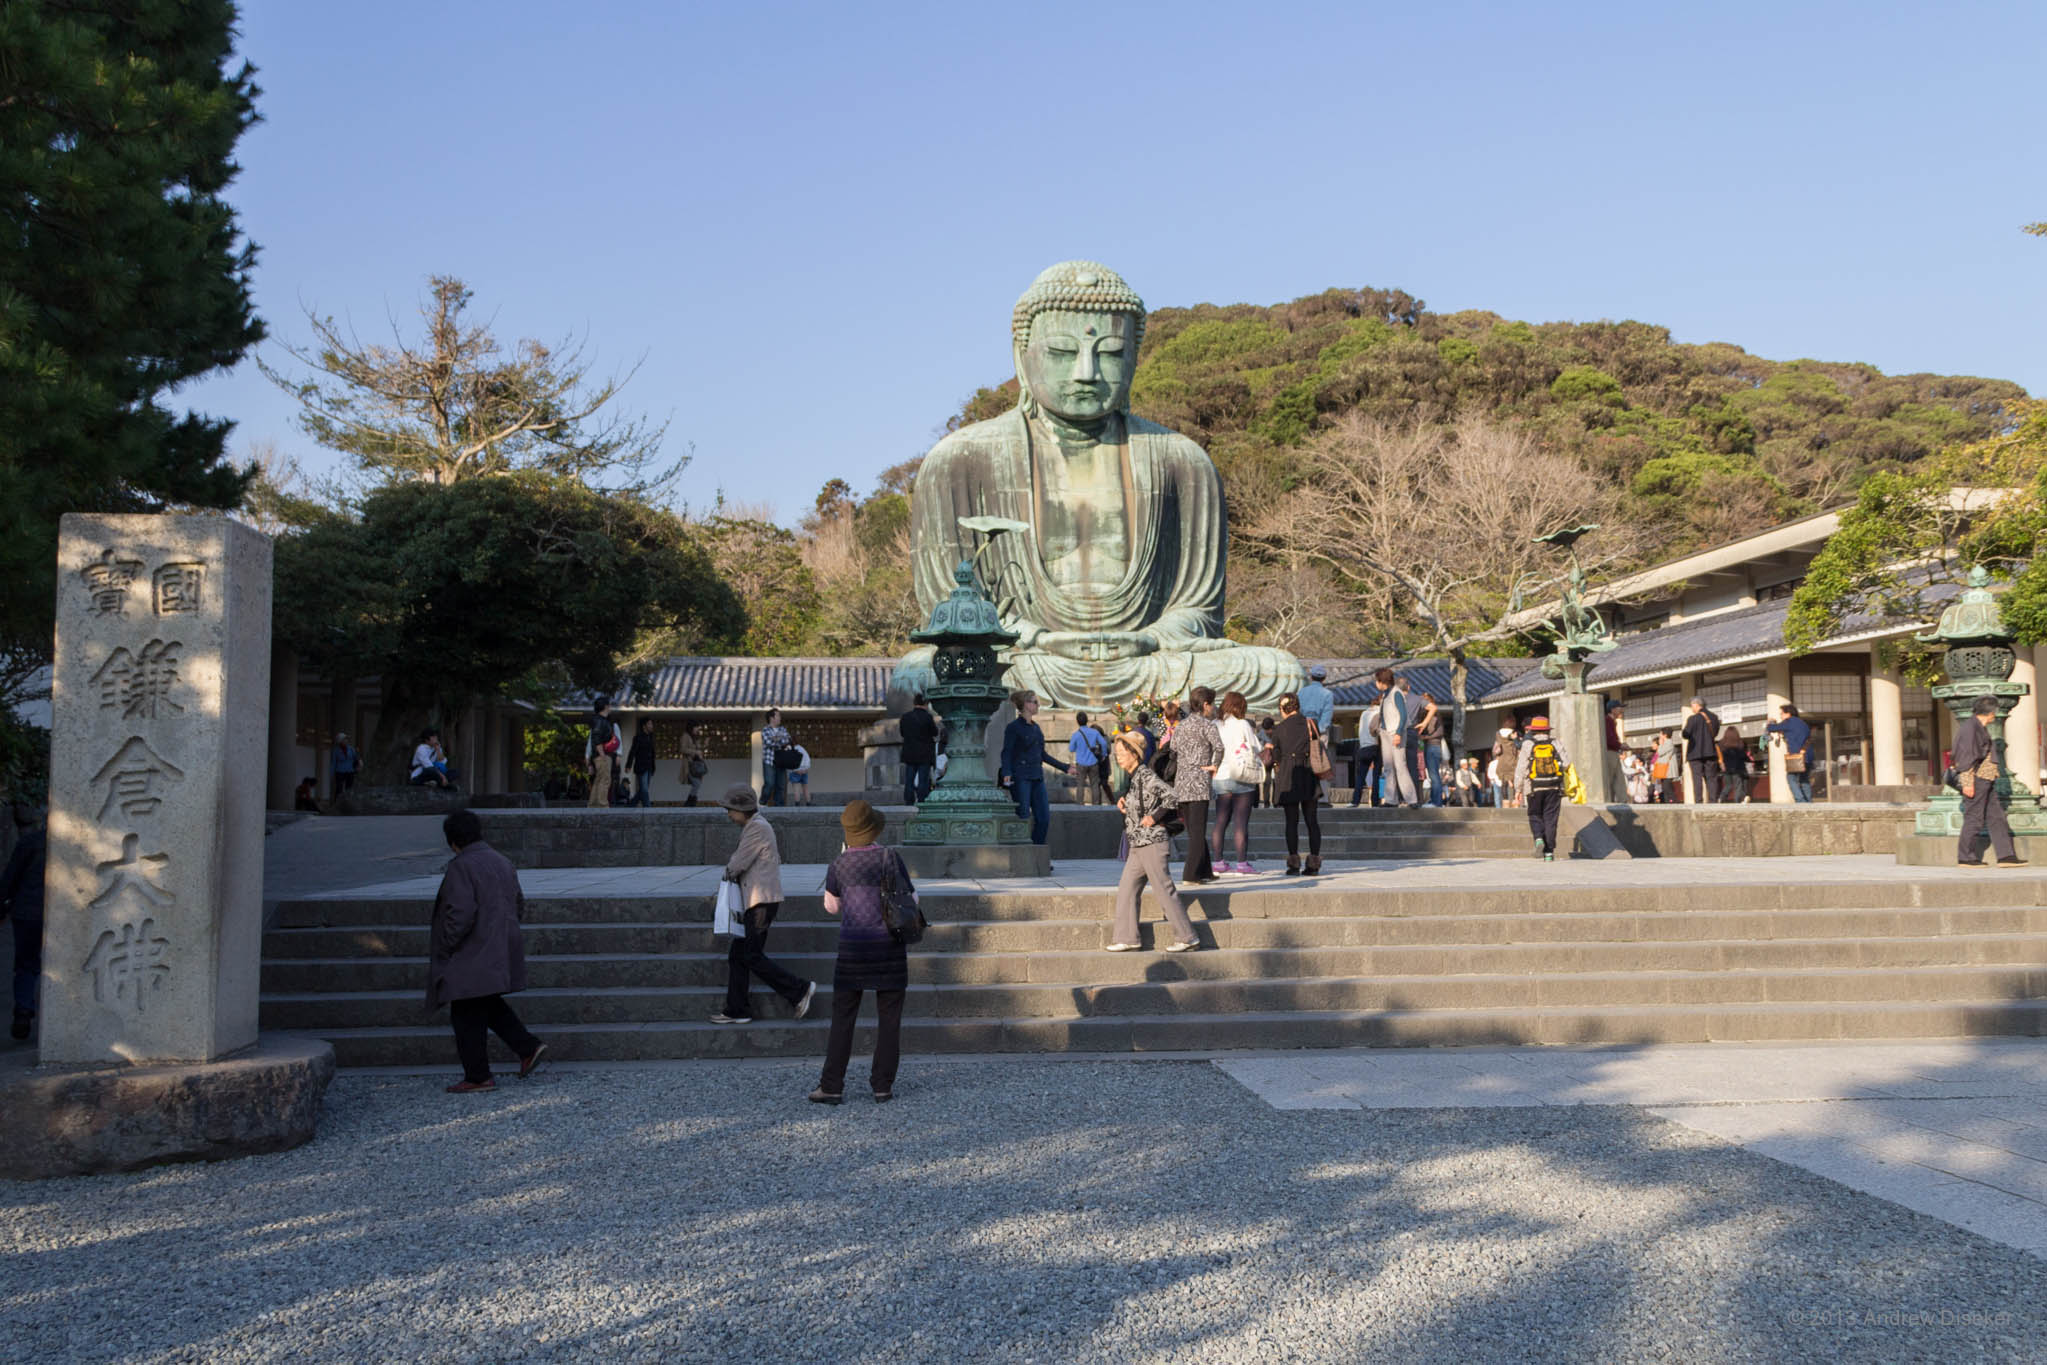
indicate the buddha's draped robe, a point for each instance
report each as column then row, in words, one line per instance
column 1168, row 584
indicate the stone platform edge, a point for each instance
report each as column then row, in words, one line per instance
column 61, row 1121
column 677, row 837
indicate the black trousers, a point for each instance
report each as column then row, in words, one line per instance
column 1544, row 803
column 888, row 1041
column 1705, row 780
column 1296, row 811
column 475, row 1020
column 1980, row 812
column 1199, row 868
column 748, row 957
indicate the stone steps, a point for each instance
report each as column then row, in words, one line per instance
column 1070, row 935
column 1270, row 896
column 429, row 1044
column 672, row 971
column 545, row 1008
column 1288, row 965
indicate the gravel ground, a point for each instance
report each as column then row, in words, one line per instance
column 1028, row 1211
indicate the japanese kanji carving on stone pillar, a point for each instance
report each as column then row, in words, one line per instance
column 153, row 932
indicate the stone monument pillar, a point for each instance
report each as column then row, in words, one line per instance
column 1580, row 720
column 153, row 929
column 161, row 699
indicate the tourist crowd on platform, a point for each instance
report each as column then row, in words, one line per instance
column 1402, row 755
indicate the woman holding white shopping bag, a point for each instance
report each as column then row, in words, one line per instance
column 1236, row 778
column 756, row 865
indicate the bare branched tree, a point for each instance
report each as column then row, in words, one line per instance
column 870, row 602
column 1293, row 602
column 456, row 406
column 1447, row 516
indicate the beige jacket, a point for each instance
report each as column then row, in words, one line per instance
column 757, row 863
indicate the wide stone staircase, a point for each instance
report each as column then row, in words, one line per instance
column 1293, row 966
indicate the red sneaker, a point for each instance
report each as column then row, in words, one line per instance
column 469, row 1087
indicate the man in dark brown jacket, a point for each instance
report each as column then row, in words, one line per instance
column 1977, row 771
column 477, row 954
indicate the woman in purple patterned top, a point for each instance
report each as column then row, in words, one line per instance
column 870, row 957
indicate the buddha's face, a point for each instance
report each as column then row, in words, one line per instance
column 1078, row 365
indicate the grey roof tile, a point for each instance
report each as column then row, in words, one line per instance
column 1691, row 645
column 746, row 684
column 1351, row 679
column 736, row 684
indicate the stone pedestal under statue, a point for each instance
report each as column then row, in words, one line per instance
column 153, row 920
column 1578, row 719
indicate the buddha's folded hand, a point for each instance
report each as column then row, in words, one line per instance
column 1097, row 644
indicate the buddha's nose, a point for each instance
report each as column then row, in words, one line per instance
column 1086, row 366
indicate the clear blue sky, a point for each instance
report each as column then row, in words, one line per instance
column 811, row 220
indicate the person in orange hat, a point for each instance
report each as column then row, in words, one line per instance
column 1540, row 771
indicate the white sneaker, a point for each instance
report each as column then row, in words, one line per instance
column 1126, row 947
column 723, row 1018
column 1183, row 947
column 803, row 1005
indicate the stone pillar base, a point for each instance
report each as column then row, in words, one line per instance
column 87, row 1120
column 1944, row 850
column 1578, row 720
column 976, row 860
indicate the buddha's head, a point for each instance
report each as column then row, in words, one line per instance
column 1076, row 331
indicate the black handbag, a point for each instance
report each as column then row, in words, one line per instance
column 1166, row 764
column 899, row 908
column 1167, row 817
column 787, row 759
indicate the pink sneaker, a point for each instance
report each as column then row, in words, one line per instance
column 1247, row 870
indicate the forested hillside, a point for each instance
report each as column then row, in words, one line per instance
column 1685, row 445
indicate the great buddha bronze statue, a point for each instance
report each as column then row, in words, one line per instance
column 1101, row 537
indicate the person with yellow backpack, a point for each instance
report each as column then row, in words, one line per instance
column 1542, row 770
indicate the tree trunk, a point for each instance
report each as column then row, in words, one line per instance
column 387, row 754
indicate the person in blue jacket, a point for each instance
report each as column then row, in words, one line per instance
column 1797, row 735
column 1023, row 766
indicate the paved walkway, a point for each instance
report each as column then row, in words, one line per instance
column 322, row 854
column 1956, row 1129
column 1101, row 875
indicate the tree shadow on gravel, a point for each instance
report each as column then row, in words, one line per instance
column 1008, row 1210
